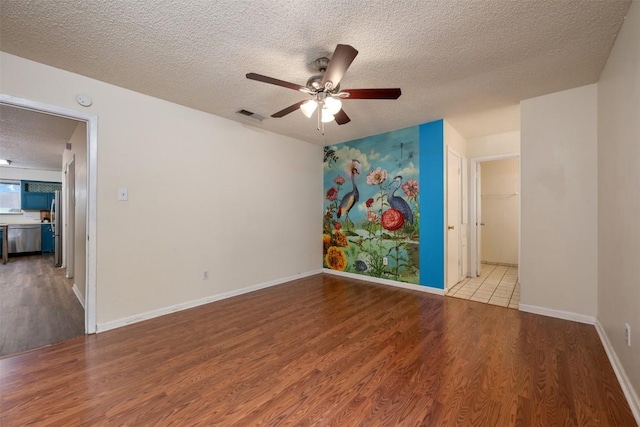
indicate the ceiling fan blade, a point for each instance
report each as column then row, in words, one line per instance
column 289, row 109
column 342, row 118
column 389, row 93
column 342, row 57
column 277, row 82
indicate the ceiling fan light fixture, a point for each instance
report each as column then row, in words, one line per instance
column 326, row 116
column 334, row 105
column 309, row 107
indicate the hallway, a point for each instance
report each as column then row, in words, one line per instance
column 37, row 305
column 497, row 285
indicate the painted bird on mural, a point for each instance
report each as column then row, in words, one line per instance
column 398, row 203
column 352, row 197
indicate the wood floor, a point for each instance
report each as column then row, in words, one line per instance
column 323, row 351
column 37, row 305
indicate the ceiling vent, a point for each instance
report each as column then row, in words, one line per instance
column 251, row 115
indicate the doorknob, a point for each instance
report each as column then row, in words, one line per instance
column 451, row 227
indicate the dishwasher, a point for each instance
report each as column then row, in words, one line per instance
column 24, row 238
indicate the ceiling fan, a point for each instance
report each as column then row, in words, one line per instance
column 325, row 89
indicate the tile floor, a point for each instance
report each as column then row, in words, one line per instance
column 497, row 285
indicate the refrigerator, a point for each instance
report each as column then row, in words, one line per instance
column 56, row 224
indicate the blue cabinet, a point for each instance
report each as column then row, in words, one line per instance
column 36, row 201
column 38, row 195
column 47, row 238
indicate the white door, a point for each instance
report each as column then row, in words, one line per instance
column 453, row 218
column 69, row 228
column 479, row 222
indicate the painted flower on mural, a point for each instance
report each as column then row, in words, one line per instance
column 336, row 259
column 410, row 188
column 326, row 240
column 369, row 202
column 372, row 216
column 341, row 239
column 338, row 180
column 377, row 176
column 337, row 225
column 392, row 219
column 332, row 193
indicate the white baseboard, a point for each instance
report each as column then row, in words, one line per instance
column 387, row 282
column 623, row 379
column 78, row 295
column 102, row 327
column 559, row 314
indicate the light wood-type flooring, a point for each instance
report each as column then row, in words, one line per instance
column 37, row 305
column 322, row 351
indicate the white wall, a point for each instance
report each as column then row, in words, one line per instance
column 494, row 145
column 454, row 140
column 259, row 191
column 29, row 174
column 559, row 201
column 500, row 210
column 619, row 196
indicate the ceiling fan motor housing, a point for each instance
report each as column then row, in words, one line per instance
column 322, row 64
column 315, row 84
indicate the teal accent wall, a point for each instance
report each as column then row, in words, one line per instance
column 432, row 204
column 383, row 206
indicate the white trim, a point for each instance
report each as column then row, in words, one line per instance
column 623, row 379
column 559, row 314
column 102, row 327
column 421, row 288
column 91, row 280
column 92, row 178
column 78, row 295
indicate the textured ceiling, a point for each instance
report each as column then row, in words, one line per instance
column 453, row 59
column 33, row 140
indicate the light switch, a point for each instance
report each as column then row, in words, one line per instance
column 123, row 194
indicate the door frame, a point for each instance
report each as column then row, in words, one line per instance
column 69, row 215
column 91, row 120
column 446, row 217
column 474, row 206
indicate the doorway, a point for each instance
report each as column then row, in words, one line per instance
column 85, row 230
column 494, row 231
column 495, row 212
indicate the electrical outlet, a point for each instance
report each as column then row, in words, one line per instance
column 205, row 275
column 385, row 261
column 627, row 334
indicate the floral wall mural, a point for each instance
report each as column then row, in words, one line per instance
column 371, row 222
